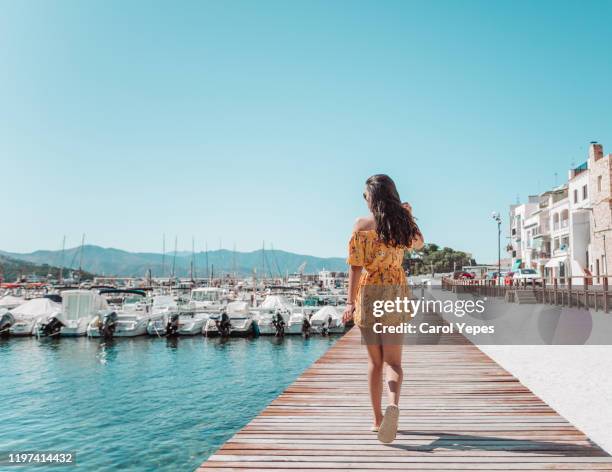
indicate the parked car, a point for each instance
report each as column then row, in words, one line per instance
column 461, row 274
column 529, row 276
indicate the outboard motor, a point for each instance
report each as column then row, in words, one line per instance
column 51, row 327
column 306, row 327
column 326, row 327
column 279, row 325
column 6, row 321
column 108, row 324
column 172, row 326
column 224, row 325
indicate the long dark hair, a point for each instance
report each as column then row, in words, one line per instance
column 395, row 225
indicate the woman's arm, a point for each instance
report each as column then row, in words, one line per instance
column 353, row 285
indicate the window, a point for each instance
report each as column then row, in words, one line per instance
column 599, row 183
column 564, row 218
column 564, row 243
column 575, row 196
column 585, row 192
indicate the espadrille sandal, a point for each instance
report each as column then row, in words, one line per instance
column 388, row 427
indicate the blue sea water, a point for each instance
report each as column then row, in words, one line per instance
column 140, row 404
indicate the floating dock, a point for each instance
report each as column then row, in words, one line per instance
column 459, row 411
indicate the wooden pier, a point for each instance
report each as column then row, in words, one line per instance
column 459, row 411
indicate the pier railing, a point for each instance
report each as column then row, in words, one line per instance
column 590, row 292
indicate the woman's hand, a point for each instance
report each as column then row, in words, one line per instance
column 348, row 313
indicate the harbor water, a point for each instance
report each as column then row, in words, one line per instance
column 140, row 404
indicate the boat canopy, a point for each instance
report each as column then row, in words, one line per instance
column 237, row 308
column 132, row 291
column 35, row 308
column 10, row 301
column 324, row 313
column 273, row 302
column 78, row 303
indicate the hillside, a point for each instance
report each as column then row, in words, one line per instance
column 12, row 269
column 109, row 261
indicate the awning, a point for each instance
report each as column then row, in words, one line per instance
column 555, row 262
column 517, row 264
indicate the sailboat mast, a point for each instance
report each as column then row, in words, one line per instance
column 61, row 271
column 195, row 265
column 174, row 256
column 263, row 262
column 163, row 272
column 192, row 258
column 81, row 258
column 207, row 266
column 234, row 263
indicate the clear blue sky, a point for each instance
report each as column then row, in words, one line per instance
column 246, row 121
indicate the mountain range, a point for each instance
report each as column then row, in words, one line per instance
column 116, row 262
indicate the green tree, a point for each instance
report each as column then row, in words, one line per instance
column 432, row 257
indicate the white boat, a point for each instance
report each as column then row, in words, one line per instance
column 131, row 318
column 27, row 314
column 191, row 323
column 239, row 317
column 167, row 307
column 295, row 323
column 208, row 299
column 268, row 313
column 79, row 308
column 327, row 320
column 175, row 319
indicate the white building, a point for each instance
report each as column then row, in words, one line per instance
column 551, row 233
column 580, row 214
column 519, row 246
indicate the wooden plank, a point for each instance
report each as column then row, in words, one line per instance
column 459, row 411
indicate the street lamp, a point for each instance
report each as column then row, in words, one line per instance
column 495, row 215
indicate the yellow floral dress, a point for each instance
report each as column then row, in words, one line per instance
column 382, row 267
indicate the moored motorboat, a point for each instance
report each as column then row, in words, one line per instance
column 176, row 319
column 208, row 299
column 79, row 308
column 235, row 320
column 327, row 320
column 29, row 313
column 273, row 315
column 133, row 313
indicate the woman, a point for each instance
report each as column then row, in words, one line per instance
column 376, row 253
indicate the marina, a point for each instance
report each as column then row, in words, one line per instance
column 234, row 308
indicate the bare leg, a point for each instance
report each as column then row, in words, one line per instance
column 375, row 371
column 392, row 357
